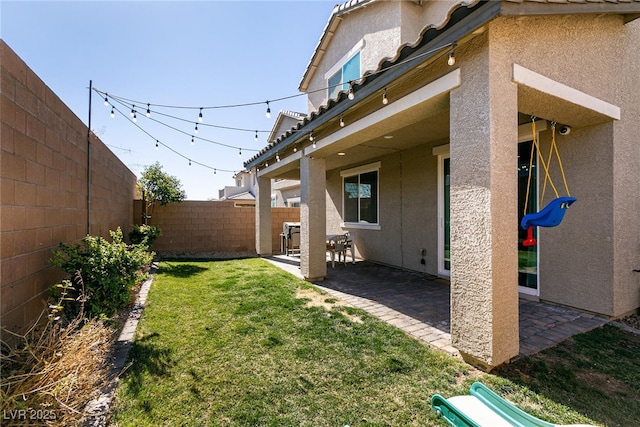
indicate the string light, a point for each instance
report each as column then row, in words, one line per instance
column 106, row 101
column 312, row 139
column 200, row 115
column 113, row 113
column 133, row 111
column 214, row 171
column 240, row 152
column 256, row 137
column 189, row 162
column 385, row 100
column 135, row 117
column 158, row 142
column 452, row 55
column 341, row 120
column 192, row 140
column 295, row 148
column 277, row 157
column 351, row 94
column 196, row 129
column 148, row 110
column 268, row 114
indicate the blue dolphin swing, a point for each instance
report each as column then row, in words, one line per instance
column 553, row 213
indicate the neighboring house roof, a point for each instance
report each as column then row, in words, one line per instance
column 327, row 34
column 487, row 10
column 277, row 125
column 242, row 196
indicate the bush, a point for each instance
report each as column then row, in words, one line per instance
column 144, row 234
column 106, row 270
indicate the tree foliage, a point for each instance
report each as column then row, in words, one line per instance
column 158, row 187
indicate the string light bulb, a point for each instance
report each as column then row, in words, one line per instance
column 189, row 162
column 200, row 116
column 133, row 111
column 268, row 114
column 214, row 171
column 452, row 55
column 311, row 136
column 351, row 94
column 196, row 129
column 295, row 148
column 256, row 137
column 113, row 113
column 157, row 144
column 277, row 157
column 341, row 121
column 135, row 117
column 239, row 152
column 385, row 100
column 148, row 110
column 106, row 101
column 192, row 140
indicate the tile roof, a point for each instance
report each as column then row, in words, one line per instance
column 405, row 50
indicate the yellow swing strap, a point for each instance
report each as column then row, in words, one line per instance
column 553, row 148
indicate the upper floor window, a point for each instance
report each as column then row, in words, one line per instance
column 345, row 71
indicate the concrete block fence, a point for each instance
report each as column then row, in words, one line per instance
column 212, row 228
column 43, row 189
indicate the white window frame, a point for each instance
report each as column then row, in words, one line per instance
column 357, row 48
column 371, row 167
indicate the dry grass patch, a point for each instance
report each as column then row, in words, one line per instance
column 317, row 299
column 50, row 373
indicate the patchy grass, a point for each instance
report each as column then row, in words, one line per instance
column 243, row 343
column 596, row 373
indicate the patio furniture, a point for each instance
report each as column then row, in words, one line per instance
column 289, row 242
column 484, row 408
column 337, row 244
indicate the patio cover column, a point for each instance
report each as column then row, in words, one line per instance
column 313, row 215
column 263, row 217
column 484, row 199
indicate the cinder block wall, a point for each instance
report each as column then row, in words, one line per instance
column 211, row 228
column 43, row 188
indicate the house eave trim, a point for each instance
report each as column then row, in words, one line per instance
column 529, row 78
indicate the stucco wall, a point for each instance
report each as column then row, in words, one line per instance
column 44, row 188
column 597, row 242
column 407, row 211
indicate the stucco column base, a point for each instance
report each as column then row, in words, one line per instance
column 478, row 363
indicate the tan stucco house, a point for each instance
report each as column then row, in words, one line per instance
column 418, row 142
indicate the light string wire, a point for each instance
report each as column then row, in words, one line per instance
column 267, row 102
column 124, row 101
column 186, row 133
column 168, row 147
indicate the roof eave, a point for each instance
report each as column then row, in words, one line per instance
column 482, row 13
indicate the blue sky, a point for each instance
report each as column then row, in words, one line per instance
column 199, row 53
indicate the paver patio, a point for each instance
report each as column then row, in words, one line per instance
column 419, row 304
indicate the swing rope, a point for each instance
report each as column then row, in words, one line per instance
column 535, row 148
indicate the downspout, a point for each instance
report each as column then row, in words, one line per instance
column 89, row 163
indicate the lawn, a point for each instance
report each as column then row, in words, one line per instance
column 241, row 342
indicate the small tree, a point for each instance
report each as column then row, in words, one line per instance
column 158, row 187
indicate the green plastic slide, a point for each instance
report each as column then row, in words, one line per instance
column 484, row 408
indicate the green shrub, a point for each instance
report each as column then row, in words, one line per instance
column 107, row 271
column 144, row 234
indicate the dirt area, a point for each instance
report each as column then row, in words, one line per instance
column 633, row 321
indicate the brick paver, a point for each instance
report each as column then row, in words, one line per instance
column 419, row 304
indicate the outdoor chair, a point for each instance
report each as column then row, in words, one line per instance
column 338, row 245
column 294, row 241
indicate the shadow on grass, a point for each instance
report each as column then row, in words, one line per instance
column 180, row 270
column 148, row 362
column 596, row 374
